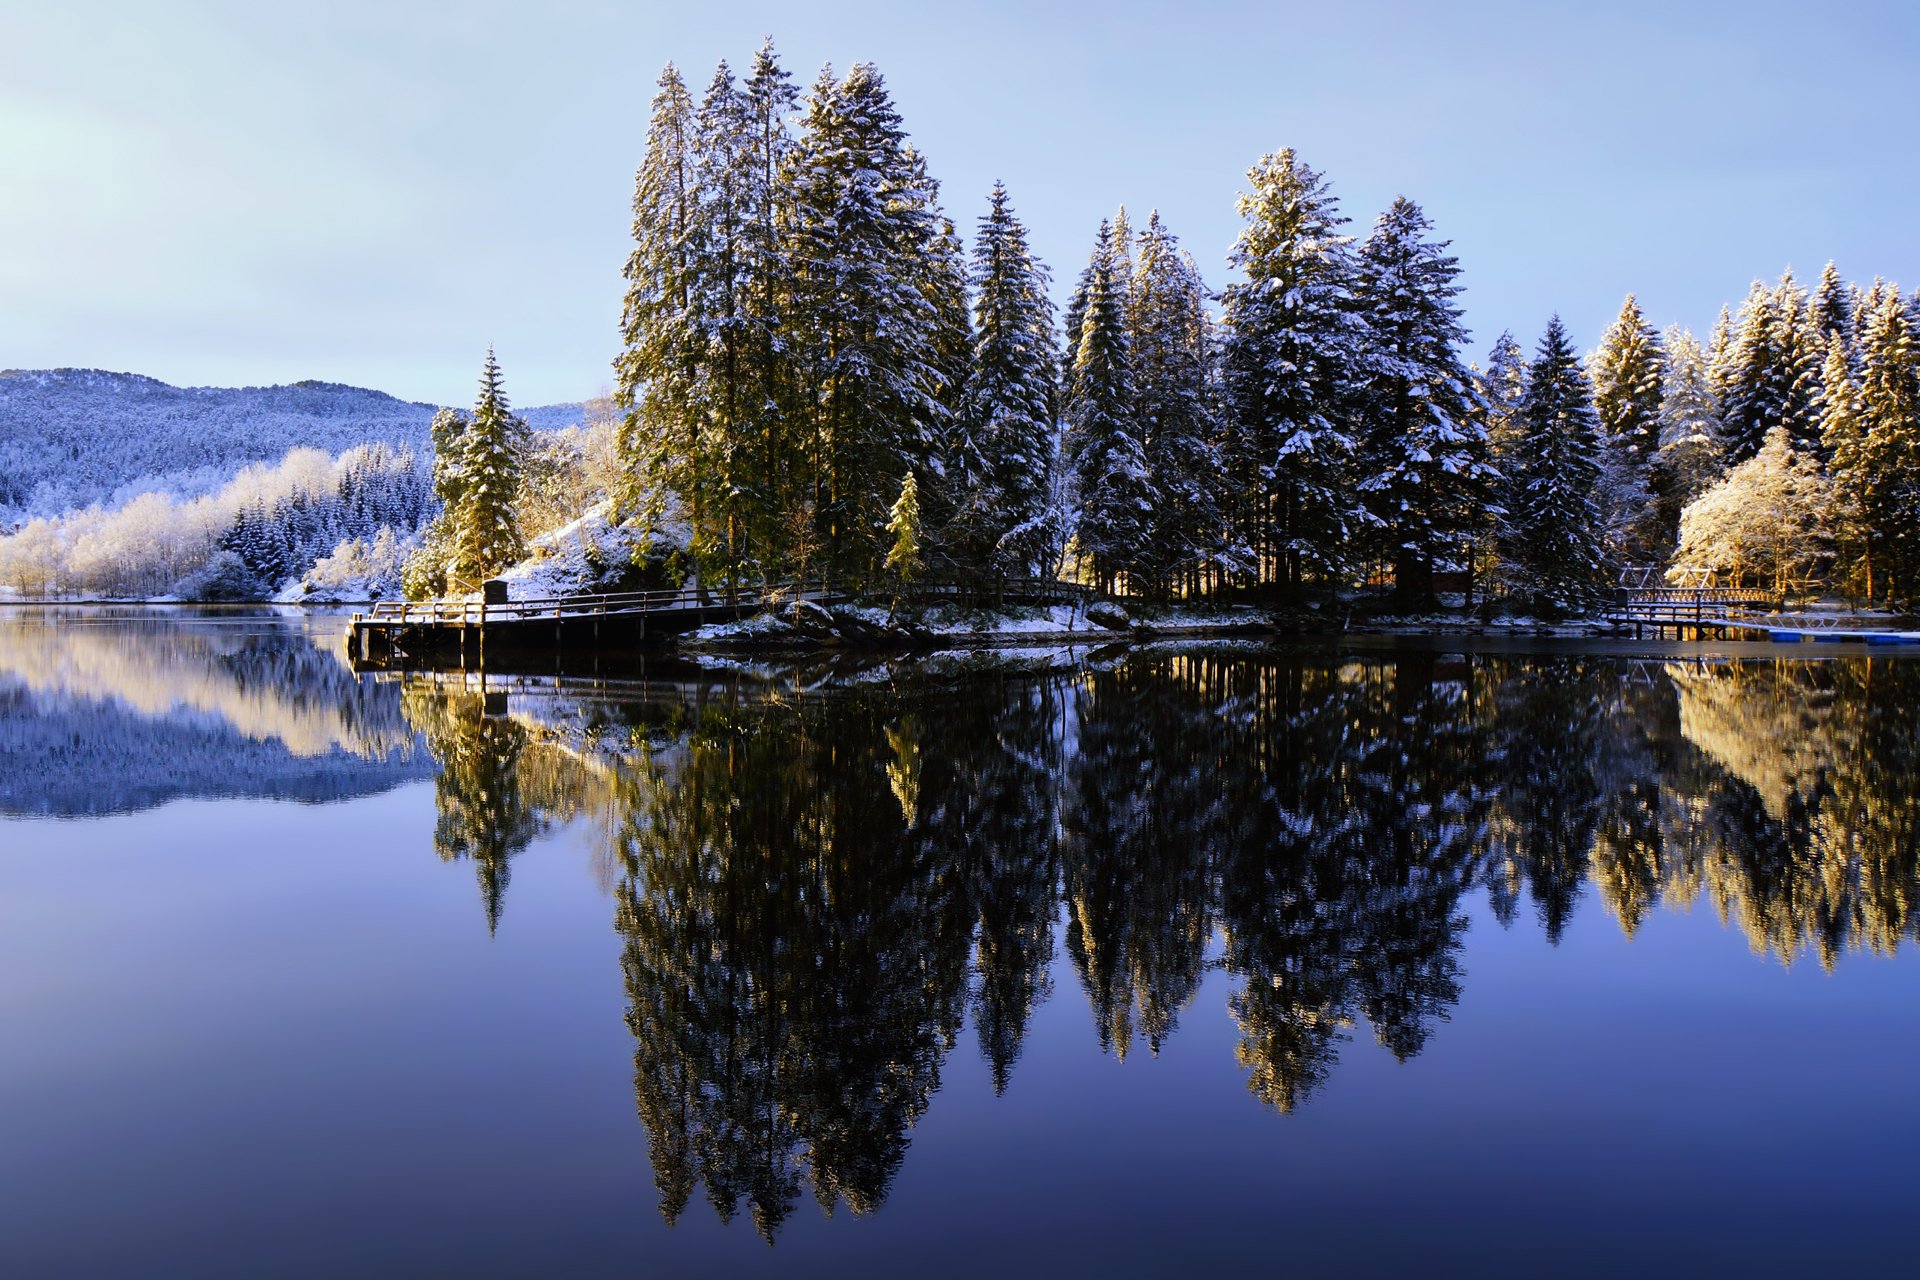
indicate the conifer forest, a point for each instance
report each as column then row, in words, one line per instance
column 808, row 334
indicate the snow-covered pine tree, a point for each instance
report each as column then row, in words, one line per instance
column 1843, row 435
column 771, row 334
column 1502, row 386
column 1174, row 410
column 486, row 533
column 1000, row 461
column 729, row 414
column 862, row 243
column 1102, row 442
column 1773, row 371
column 1832, row 306
column 1427, row 479
column 1720, row 367
column 658, row 440
column 941, row 276
column 1555, row 523
column 1292, row 344
column 1626, row 372
column 1691, row 456
column 1885, row 475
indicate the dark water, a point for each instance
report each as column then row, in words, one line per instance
column 1393, row 960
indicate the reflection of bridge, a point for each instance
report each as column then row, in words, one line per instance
column 468, row 631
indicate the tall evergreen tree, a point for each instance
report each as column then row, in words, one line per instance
column 1691, row 454
column 1293, row 340
column 863, row 246
column 1556, row 520
column 1773, row 374
column 1173, row 407
column 485, row 528
column 1843, row 434
column 1424, row 452
column 1001, row 457
column 1502, row 387
column 659, row 441
column 1883, row 471
column 1102, row 441
column 1832, row 306
column 1627, row 373
column 771, row 335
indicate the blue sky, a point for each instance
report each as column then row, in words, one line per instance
column 371, row 193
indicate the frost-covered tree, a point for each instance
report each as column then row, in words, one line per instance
column 1292, row 344
column 1627, row 372
column 1102, row 440
column 1877, row 458
column 485, row 530
column 1173, row 407
column 1691, row 455
column 657, row 368
column 1000, row 461
column 1831, row 307
column 1843, row 434
column 863, row 259
column 1764, row 523
column 1773, row 371
column 1502, row 387
column 1556, row 553
column 1424, row 450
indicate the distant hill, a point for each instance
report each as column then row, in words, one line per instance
column 73, row 437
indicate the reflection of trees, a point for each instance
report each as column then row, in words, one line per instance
column 1139, row 841
column 1351, row 848
column 483, row 815
column 814, row 892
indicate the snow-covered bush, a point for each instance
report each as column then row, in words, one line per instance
column 224, row 577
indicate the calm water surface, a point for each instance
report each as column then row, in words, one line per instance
column 1566, row 960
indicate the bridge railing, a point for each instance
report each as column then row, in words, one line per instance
column 471, row 612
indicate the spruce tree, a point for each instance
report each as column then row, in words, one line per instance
column 1292, row 346
column 1425, row 455
column 1832, row 307
column 1885, row 474
column 1000, row 461
column 864, row 249
column 659, row 441
column 1502, row 387
column 1626, row 373
column 1691, row 456
column 771, row 334
column 1555, row 524
column 1173, row 409
column 1773, row 371
column 1102, row 440
column 1843, row 434
column 485, row 528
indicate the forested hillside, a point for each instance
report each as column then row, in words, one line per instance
column 72, row 438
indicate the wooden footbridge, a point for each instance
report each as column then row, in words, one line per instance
column 1701, row 606
column 471, row 632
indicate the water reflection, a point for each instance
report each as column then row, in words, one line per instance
column 107, row 711
column 816, row 891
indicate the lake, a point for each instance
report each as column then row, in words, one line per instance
column 1436, row 957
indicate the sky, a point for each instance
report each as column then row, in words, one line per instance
column 246, row 194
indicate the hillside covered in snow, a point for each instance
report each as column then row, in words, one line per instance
column 76, row 437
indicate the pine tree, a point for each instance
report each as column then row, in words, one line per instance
column 1884, row 474
column 1555, row 523
column 1691, row 456
column 1773, row 371
column 1832, row 307
column 1626, row 373
column 659, row 440
column 1173, row 409
column 771, row 333
column 1502, row 388
column 1292, row 344
column 1425, row 452
column 903, row 522
column 1102, row 440
column 485, row 528
column 1843, row 434
column 1001, row 458
column 863, row 249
